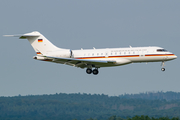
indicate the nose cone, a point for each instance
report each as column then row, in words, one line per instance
column 173, row 57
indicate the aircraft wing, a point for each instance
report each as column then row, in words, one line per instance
column 82, row 63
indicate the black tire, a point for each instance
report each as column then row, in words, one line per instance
column 95, row 71
column 163, row 69
column 88, row 71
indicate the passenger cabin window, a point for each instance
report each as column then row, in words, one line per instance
column 161, row 50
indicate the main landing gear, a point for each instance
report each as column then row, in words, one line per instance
column 163, row 69
column 89, row 71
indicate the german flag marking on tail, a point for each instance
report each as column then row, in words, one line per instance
column 40, row 40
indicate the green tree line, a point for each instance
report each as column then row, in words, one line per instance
column 142, row 117
column 85, row 106
column 169, row 95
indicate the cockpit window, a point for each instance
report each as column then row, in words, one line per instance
column 161, row 50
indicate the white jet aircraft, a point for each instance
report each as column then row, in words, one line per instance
column 94, row 58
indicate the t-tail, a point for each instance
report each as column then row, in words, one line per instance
column 42, row 46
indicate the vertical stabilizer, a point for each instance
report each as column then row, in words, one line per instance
column 41, row 45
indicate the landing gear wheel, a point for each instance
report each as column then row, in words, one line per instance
column 163, row 69
column 88, row 71
column 95, row 71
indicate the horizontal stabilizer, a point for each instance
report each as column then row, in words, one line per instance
column 24, row 36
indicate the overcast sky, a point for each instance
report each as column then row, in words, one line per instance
column 76, row 24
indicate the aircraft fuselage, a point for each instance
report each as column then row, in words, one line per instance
column 94, row 58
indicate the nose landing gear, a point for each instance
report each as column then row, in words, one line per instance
column 163, row 69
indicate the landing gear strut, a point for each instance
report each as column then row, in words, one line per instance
column 89, row 71
column 162, row 69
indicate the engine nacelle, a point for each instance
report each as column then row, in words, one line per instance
column 122, row 61
column 61, row 53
